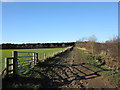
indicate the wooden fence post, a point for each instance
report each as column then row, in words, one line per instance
column 34, row 58
column 6, row 66
column 12, row 65
column 37, row 57
column 15, row 63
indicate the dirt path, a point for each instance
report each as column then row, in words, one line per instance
column 72, row 72
column 65, row 70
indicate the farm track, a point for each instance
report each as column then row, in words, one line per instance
column 65, row 70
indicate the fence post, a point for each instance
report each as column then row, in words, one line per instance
column 12, row 65
column 37, row 57
column 6, row 66
column 34, row 58
column 15, row 63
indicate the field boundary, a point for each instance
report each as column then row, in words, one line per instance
column 35, row 60
column 54, row 54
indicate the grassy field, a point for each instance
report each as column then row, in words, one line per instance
column 48, row 51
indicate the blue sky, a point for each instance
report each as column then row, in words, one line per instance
column 38, row 22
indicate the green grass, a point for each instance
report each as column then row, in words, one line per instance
column 8, row 53
column 96, row 66
column 39, row 77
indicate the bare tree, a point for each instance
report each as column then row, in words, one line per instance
column 92, row 38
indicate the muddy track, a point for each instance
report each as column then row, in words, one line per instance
column 71, row 71
column 65, row 70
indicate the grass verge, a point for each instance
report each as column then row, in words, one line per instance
column 100, row 67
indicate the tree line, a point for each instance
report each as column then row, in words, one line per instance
column 35, row 45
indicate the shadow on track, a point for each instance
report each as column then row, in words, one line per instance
column 51, row 74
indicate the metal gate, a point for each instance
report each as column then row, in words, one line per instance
column 26, row 61
column 20, row 62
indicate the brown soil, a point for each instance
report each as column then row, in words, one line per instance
column 72, row 72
